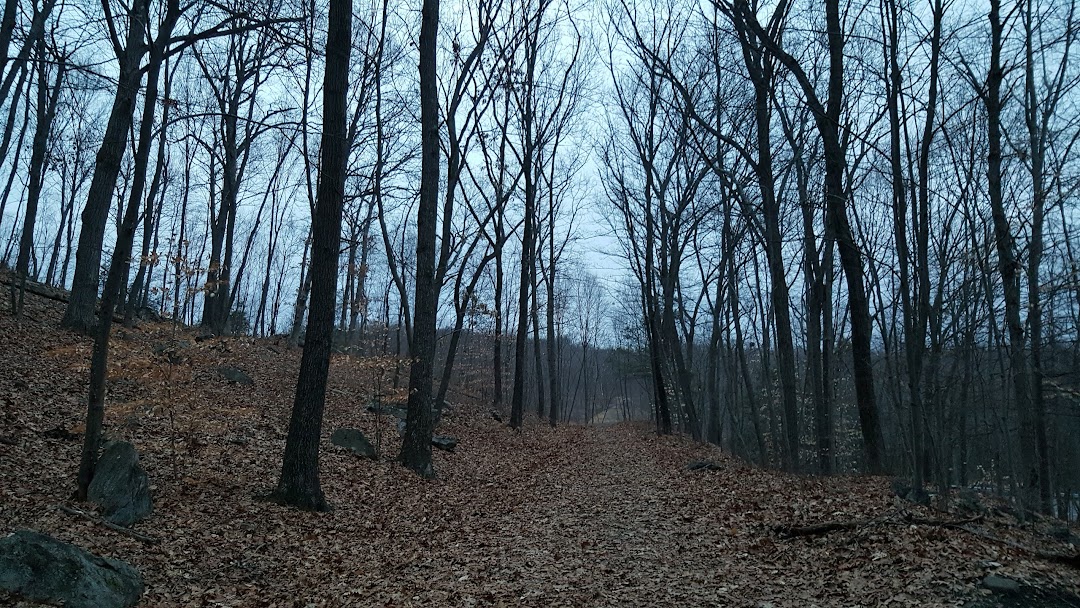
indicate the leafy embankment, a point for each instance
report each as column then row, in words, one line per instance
column 574, row 516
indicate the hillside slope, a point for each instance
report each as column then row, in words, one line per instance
column 567, row 517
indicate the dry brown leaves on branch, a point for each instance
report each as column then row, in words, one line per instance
column 568, row 517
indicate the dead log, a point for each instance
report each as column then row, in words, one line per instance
column 38, row 289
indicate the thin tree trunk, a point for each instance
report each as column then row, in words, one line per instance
column 149, row 221
column 1008, row 265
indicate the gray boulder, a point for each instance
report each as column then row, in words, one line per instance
column 397, row 412
column 444, row 442
column 1000, row 584
column 704, row 465
column 120, row 485
column 42, row 569
column 235, row 375
column 354, row 441
column 173, row 350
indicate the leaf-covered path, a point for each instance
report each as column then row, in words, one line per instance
column 600, row 516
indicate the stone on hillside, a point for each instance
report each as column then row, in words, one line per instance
column 61, row 434
column 147, row 313
column 703, row 465
column 908, row 492
column 120, row 485
column 354, row 441
column 401, row 428
column 171, row 349
column 1000, row 584
column 1062, row 533
column 969, row 500
column 235, row 375
column 42, row 569
column 397, row 412
column 444, row 442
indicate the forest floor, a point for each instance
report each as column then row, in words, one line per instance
column 573, row 516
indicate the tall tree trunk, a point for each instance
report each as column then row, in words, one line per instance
column 497, row 312
column 827, row 118
column 538, row 360
column 121, row 259
column 760, row 68
column 149, row 221
column 554, row 382
column 416, row 446
column 517, row 397
column 914, row 342
column 302, row 291
column 79, row 314
column 850, row 255
column 1037, row 118
column 46, row 108
column 1008, row 265
column 299, row 485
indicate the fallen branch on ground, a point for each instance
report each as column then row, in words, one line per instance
column 786, row 531
column 1058, row 558
column 945, row 523
column 817, row 529
column 108, row 524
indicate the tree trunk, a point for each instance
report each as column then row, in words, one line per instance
column 1008, row 265
column 46, row 104
column 1037, row 118
column 554, row 383
column 416, row 446
column 914, row 341
column 79, row 314
column 827, row 119
column 302, row 291
column 121, row 259
column 760, row 69
column 134, row 301
column 299, row 485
